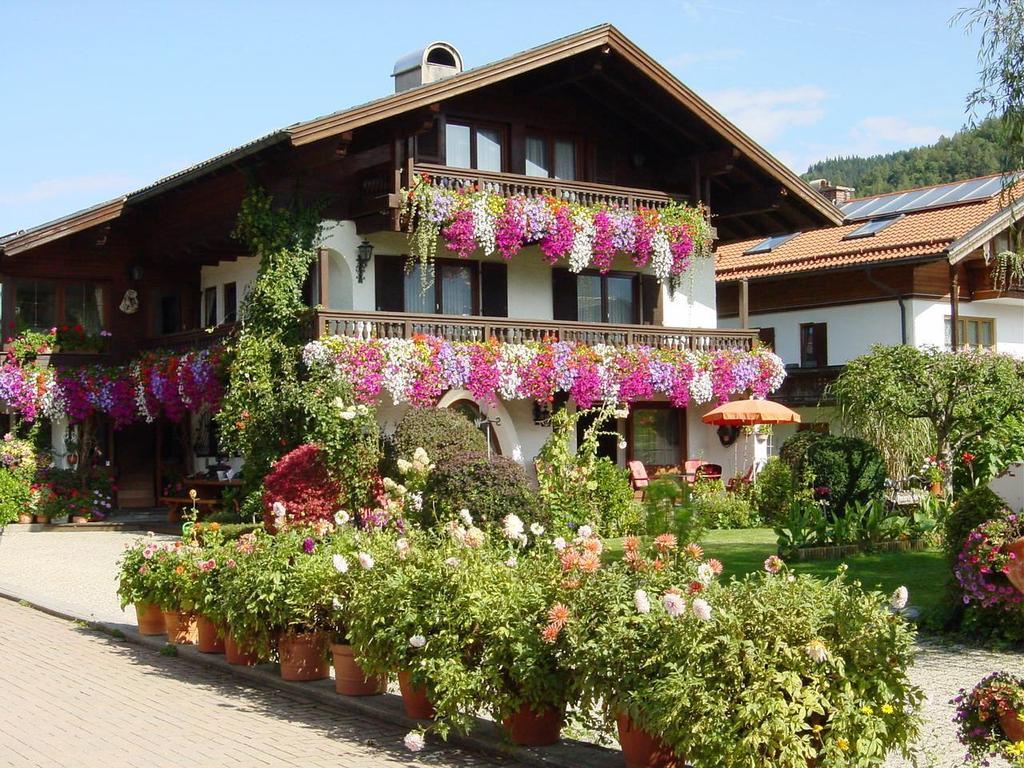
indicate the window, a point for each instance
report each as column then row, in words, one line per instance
column 599, row 298
column 83, row 305
column 230, row 302
column 450, row 289
column 471, row 146
column 813, row 345
column 555, row 158
column 169, row 317
column 766, row 246
column 656, row 435
column 873, row 227
column 35, row 304
column 767, row 337
column 210, row 306
column 973, row 332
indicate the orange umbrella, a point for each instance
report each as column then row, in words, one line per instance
column 741, row 413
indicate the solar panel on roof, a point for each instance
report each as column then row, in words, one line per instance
column 922, row 199
column 871, row 227
column 770, row 244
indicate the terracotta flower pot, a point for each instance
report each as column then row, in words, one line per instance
column 42, row 520
column 181, row 627
column 303, row 656
column 936, row 489
column 349, row 677
column 641, row 750
column 532, row 728
column 25, row 518
column 79, row 519
column 414, row 698
column 237, row 654
column 210, row 639
column 1015, row 571
column 150, row 618
column 1013, row 726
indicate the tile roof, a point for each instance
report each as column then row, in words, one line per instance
column 917, row 234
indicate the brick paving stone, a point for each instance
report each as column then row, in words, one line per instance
column 76, row 697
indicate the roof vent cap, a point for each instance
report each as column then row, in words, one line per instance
column 427, row 65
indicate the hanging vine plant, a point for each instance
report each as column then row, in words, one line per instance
column 1008, row 270
column 588, row 236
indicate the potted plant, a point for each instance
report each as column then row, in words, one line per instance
column 303, row 614
column 211, row 557
column 934, row 473
column 988, row 718
column 18, row 492
column 990, row 565
column 175, row 566
column 248, row 590
column 137, row 584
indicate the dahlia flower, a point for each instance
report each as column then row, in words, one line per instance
column 674, row 604
column 641, row 601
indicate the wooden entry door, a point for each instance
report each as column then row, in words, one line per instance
column 135, row 460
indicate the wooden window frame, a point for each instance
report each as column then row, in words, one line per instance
column 436, row 264
column 634, row 278
column 963, row 320
column 817, row 362
column 473, row 126
column 656, row 405
column 549, row 138
column 59, row 300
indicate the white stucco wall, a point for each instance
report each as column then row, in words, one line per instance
column 693, row 305
column 929, row 323
column 241, row 272
column 851, row 331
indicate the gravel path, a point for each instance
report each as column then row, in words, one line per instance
column 75, row 574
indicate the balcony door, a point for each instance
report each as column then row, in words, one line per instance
column 618, row 298
column 455, row 287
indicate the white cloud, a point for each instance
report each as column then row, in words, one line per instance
column 766, row 113
column 897, row 130
column 71, row 186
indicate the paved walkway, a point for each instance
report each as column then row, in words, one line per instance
column 75, row 573
column 75, row 697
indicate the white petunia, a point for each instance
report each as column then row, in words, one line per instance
column 536, row 529
column 899, row 598
column 701, row 609
column 417, row 641
column 341, row 517
column 414, row 741
column 340, row 563
column 366, row 560
column 641, row 601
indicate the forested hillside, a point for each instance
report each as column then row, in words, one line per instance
column 968, row 153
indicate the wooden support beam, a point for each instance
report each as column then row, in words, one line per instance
column 323, row 265
column 744, row 304
column 954, row 306
column 716, row 162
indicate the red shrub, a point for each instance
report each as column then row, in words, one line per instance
column 300, row 481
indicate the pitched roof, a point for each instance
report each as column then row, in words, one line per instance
column 932, row 232
column 297, row 134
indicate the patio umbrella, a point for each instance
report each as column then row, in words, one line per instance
column 742, row 413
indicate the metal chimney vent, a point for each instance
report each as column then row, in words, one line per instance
column 427, row 65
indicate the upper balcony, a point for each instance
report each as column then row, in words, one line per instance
column 404, row 325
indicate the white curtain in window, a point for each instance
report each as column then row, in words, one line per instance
column 565, row 160
column 536, row 162
column 456, row 145
column 488, row 149
column 588, row 299
column 620, row 300
column 419, row 296
column 456, row 289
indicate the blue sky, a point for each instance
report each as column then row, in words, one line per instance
column 101, row 98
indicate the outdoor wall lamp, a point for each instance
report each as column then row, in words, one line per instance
column 363, row 255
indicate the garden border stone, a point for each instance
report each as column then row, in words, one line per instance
column 486, row 737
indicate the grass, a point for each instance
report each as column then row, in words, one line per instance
column 744, row 551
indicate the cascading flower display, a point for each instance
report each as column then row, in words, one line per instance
column 421, row 369
column 466, row 219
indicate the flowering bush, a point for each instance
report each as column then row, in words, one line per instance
column 588, row 236
column 81, row 492
column 18, row 494
column 983, row 563
column 441, row 432
column 980, row 714
column 420, row 370
column 489, row 487
column 74, row 338
column 138, row 579
column 300, row 483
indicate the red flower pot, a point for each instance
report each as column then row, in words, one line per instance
column 1012, row 726
column 25, row 518
column 237, row 654
column 303, row 656
column 641, row 750
column 532, row 728
column 414, row 698
column 42, row 520
column 1015, row 571
column 209, row 639
column 181, row 627
column 349, row 677
column 79, row 519
column 150, row 619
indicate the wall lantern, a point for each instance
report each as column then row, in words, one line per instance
column 363, row 255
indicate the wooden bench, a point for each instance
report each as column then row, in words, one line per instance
column 175, row 504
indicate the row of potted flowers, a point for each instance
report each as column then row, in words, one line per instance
column 541, row 630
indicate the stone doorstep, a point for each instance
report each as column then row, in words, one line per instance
column 486, row 737
column 14, row 529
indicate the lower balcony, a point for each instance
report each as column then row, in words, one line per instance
column 807, row 387
column 185, row 341
column 398, row 325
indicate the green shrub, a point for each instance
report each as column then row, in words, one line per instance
column 441, row 433
column 668, row 510
column 489, row 488
column 794, row 450
column 618, row 513
column 717, row 508
column 773, row 490
column 971, row 510
column 852, row 469
column 15, row 496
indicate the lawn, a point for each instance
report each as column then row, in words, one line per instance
column 744, row 551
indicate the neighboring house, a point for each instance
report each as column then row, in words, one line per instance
column 910, row 267
column 589, row 117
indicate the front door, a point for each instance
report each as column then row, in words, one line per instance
column 135, row 461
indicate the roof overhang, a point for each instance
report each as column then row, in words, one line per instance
column 975, row 238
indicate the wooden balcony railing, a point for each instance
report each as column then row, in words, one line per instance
column 184, row 341
column 807, row 386
column 399, row 325
column 510, row 184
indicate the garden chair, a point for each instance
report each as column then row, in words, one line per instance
column 690, row 467
column 638, row 479
column 707, row 471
